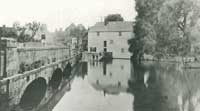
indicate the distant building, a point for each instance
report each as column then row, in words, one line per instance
column 85, row 42
column 74, row 42
column 9, row 32
column 111, row 37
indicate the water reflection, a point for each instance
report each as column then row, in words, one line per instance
column 121, row 85
column 146, row 91
column 110, row 78
column 164, row 87
column 102, row 89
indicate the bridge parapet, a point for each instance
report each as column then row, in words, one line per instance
column 17, row 60
column 42, row 56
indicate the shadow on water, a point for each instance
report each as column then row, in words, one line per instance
column 3, row 102
column 56, row 96
column 56, row 79
column 33, row 94
column 67, row 71
column 164, row 87
column 146, row 91
column 53, row 95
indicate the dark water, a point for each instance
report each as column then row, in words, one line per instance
column 120, row 85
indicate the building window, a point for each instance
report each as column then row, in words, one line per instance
column 105, row 49
column 122, row 50
column 43, row 36
column 105, row 44
column 93, row 49
column 98, row 33
column 120, row 33
column 111, row 41
column 93, row 57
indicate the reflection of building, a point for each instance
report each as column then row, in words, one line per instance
column 85, row 42
column 111, row 78
column 83, row 69
column 111, row 37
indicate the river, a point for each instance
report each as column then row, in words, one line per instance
column 120, row 85
column 102, row 88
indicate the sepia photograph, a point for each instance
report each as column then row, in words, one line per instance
column 100, row 55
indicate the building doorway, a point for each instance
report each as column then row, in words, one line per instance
column 105, row 44
column 105, row 49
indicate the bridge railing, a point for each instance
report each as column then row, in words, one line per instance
column 20, row 60
column 31, row 58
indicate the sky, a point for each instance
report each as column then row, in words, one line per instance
column 61, row 13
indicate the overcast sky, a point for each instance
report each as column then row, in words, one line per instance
column 61, row 13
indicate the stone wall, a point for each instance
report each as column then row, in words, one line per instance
column 20, row 60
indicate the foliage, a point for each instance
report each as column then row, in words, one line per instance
column 113, row 17
column 27, row 32
column 34, row 27
column 179, row 23
column 7, row 32
column 71, row 31
column 145, row 28
column 165, row 27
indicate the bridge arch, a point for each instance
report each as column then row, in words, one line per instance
column 67, row 70
column 33, row 94
column 56, row 78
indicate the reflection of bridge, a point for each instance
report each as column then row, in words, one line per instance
column 26, row 73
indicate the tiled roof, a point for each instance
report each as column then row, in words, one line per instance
column 112, row 27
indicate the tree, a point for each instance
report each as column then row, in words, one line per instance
column 181, row 22
column 27, row 32
column 72, row 30
column 145, row 28
column 33, row 27
column 165, row 27
column 113, row 17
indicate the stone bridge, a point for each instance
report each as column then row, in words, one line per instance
column 26, row 73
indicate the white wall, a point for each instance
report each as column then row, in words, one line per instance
column 119, row 42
